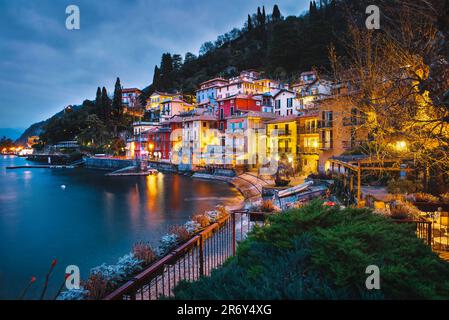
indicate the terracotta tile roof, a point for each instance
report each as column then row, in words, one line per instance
column 289, row 118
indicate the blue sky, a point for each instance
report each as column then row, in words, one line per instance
column 44, row 66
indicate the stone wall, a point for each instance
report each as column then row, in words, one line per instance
column 108, row 164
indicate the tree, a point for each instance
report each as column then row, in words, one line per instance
column 276, row 16
column 106, row 106
column 206, row 48
column 177, row 62
column 189, row 57
column 156, row 77
column 401, row 78
column 95, row 134
column 117, row 107
column 249, row 24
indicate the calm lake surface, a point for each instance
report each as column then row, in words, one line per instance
column 95, row 219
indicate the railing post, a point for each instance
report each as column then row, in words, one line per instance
column 429, row 234
column 201, row 257
column 233, row 234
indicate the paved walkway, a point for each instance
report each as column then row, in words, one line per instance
column 248, row 184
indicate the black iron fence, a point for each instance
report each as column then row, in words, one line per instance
column 197, row 257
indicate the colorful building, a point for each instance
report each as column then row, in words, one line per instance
column 174, row 107
column 129, row 96
column 245, row 139
column 285, row 103
column 341, row 127
column 231, row 105
column 283, row 138
column 311, row 89
column 206, row 95
column 309, row 143
column 201, row 140
column 155, row 100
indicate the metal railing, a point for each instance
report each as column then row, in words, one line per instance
column 423, row 229
column 197, row 257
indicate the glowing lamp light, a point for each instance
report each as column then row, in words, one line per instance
column 401, row 146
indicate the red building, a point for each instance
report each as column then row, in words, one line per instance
column 229, row 106
column 160, row 142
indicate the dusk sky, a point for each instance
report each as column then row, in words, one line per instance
column 44, row 66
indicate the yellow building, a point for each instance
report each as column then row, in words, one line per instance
column 282, row 139
column 309, row 143
column 154, row 102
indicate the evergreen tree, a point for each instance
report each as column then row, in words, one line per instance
column 264, row 16
column 250, row 24
column 276, row 13
column 98, row 99
column 105, row 106
column 156, row 77
column 259, row 17
column 117, row 107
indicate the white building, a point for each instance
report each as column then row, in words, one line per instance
column 285, row 103
column 311, row 89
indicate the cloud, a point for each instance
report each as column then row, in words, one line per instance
column 44, row 67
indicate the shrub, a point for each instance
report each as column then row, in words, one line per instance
column 221, row 212
column 119, row 272
column 181, row 233
column 424, row 197
column 97, row 286
column 144, row 252
column 167, row 242
column 403, row 186
column 73, row 294
column 202, row 219
column 319, row 252
column 400, row 213
column 192, row 226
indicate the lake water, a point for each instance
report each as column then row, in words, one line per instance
column 95, row 219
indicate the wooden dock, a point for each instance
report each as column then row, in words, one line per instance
column 41, row 167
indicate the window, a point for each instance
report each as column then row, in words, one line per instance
column 204, row 124
column 277, row 104
column 232, row 111
column 221, row 113
column 289, row 102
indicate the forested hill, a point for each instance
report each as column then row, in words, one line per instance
column 279, row 46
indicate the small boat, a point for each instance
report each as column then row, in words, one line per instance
column 152, row 171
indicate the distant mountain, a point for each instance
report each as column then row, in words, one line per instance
column 34, row 130
column 11, row 133
column 37, row 128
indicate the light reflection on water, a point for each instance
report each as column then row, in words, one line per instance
column 95, row 219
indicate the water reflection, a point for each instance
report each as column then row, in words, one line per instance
column 95, row 220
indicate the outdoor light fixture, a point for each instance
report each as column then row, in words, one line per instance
column 401, row 146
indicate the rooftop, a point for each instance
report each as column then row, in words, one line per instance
column 290, row 118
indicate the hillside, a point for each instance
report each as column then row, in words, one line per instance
column 278, row 47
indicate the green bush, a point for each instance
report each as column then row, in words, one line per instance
column 322, row 253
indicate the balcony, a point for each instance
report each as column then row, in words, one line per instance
column 327, row 145
column 325, row 124
column 308, row 130
column 309, row 150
